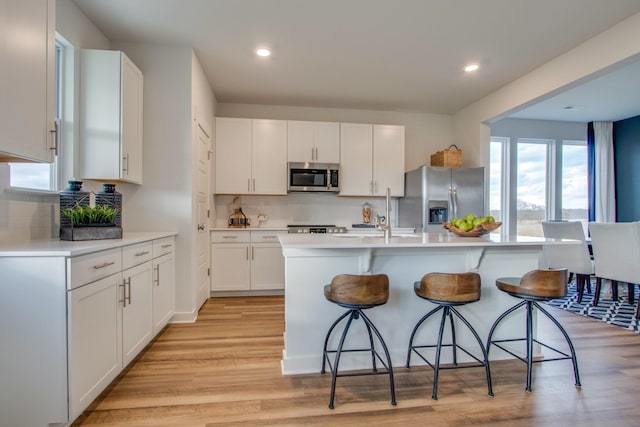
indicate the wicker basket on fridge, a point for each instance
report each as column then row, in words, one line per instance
column 450, row 157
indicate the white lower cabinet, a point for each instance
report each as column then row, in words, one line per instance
column 128, row 299
column 95, row 340
column 137, row 324
column 246, row 261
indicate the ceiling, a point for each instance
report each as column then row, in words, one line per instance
column 394, row 55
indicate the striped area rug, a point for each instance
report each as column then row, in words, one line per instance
column 618, row 313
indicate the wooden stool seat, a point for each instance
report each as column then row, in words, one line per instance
column 448, row 290
column 358, row 290
column 538, row 284
column 534, row 286
column 460, row 288
column 357, row 293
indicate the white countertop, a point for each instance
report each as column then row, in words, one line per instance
column 401, row 240
column 56, row 247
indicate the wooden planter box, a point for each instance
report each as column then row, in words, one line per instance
column 91, row 233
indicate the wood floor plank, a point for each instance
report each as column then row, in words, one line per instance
column 224, row 370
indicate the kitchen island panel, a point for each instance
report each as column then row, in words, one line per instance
column 308, row 315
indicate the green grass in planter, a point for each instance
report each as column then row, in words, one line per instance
column 99, row 214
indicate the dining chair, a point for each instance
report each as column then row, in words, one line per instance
column 575, row 258
column 616, row 252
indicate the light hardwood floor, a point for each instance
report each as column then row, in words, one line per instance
column 224, row 370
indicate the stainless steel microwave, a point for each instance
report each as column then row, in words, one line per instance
column 313, row 177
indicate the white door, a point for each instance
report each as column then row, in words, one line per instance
column 163, row 290
column 269, row 157
column 231, row 267
column 203, row 149
column 233, row 156
column 327, row 142
column 388, row 160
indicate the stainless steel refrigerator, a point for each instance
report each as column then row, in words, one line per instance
column 433, row 195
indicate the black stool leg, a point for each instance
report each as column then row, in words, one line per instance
column 498, row 320
column 326, row 341
column 484, row 351
column 436, row 367
column 574, row 359
column 373, row 350
column 529, row 343
column 334, row 371
column 454, row 347
column 388, row 357
column 415, row 329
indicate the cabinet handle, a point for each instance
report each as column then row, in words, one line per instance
column 166, row 246
column 124, row 293
column 56, row 136
column 129, row 286
column 252, row 253
column 141, row 253
column 106, row 264
column 125, row 160
column 249, row 185
column 247, row 253
column 157, row 269
column 273, row 236
column 229, row 237
column 312, row 154
column 254, row 185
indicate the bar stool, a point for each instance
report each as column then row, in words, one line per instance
column 448, row 291
column 534, row 286
column 357, row 293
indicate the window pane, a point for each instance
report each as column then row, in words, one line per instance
column 574, row 183
column 495, row 180
column 531, row 188
column 35, row 176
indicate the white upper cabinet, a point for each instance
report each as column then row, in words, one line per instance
column 371, row 159
column 313, row 142
column 27, row 80
column 251, row 156
column 111, row 109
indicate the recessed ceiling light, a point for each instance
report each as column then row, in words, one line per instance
column 263, row 52
column 471, row 67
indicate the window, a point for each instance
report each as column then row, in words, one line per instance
column 536, row 179
column 42, row 176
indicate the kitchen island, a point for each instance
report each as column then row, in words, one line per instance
column 311, row 261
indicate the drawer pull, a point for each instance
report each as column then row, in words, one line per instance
column 166, row 246
column 106, row 264
column 229, row 237
column 142, row 253
column 269, row 237
column 157, row 279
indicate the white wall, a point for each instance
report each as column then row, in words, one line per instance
column 540, row 129
column 611, row 48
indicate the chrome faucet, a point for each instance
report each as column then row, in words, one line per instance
column 386, row 226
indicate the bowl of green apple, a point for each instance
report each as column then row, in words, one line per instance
column 471, row 225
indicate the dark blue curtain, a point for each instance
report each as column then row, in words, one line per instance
column 591, row 169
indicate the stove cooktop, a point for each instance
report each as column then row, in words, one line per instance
column 315, row 229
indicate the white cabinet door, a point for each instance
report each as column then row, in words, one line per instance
column 111, row 91
column 230, row 267
column 388, row 160
column 267, row 266
column 356, row 159
column 94, row 339
column 269, row 157
column 131, row 116
column 27, row 79
column 233, row 156
column 314, row 142
column 137, row 311
column 300, row 143
column 163, row 290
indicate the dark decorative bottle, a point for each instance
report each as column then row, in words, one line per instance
column 110, row 197
column 71, row 197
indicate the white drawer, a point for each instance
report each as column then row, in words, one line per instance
column 265, row 236
column 230, row 236
column 163, row 246
column 91, row 267
column 136, row 254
